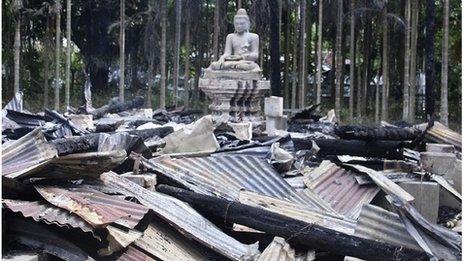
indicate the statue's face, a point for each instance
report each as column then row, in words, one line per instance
column 241, row 25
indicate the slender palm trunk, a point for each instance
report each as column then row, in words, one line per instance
column 338, row 58
column 274, row 48
column 302, row 74
column 177, row 50
column 385, row 86
column 430, row 60
column 377, row 99
column 57, row 54
column 352, row 60
column 286, row 29
column 17, row 47
column 163, row 55
column 46, row 61
column 359, row 94
column 121, row 49
column 295, row 64
column 444, row 66
column 216, row 31
column 407, row 56
column 187, row 59
column 413, row 68
column 319, row 54
column 68, row 52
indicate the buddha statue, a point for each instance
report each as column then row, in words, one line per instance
column 241, row 49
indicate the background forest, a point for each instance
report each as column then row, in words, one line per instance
column 371, row 60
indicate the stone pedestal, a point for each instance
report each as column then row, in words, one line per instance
column 235, row 95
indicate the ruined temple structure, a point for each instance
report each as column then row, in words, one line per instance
column 234, row 82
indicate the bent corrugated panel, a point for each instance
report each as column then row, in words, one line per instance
column 27, row 155
column 225, row 176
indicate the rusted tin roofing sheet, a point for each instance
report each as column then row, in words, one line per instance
column 47, row 213
column 184, row 218
column 225, row 176
column 165, row 243
column 379, row 224
column 26, row 155
column 339, row 188
column 97, row 208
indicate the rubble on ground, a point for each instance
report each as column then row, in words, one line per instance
column 125, row 183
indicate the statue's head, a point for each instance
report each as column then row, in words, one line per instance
column 241, row 21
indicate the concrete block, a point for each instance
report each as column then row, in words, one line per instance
column 436, row 147
column 426, row 197
column 454, row 177
column 438, row 162
column 274, row 124
column 274, row 106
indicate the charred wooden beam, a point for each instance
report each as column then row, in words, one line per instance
column 116, row 106
column 89, row 142
column 376, row 133
column 76, row 144
column 378, row 149
column 294, row 231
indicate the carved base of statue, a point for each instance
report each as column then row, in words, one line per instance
column 236, row 95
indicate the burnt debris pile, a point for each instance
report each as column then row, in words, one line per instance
column 125, row 183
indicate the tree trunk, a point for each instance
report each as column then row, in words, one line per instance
column 46, row 61
column 239, row 4
column 150, row 84
column 338, row 59
column 407, row 56
column 319, row 54
column 122, row 44
column 17, row 46
column 274, row 42
column 430, row 61
column 352, row 60
column 444, row 66
column 57, row 54
column 163, row 55
column 286, row 29
column 359, row 94
column 295, row 64
column 134, row 68
column 302, row 74
column 413, row 72
column 385, row 86
column 187, row 59
column 68, row 53
column 175, row 81
column 216, row 31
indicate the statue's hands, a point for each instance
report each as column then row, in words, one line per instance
column 234, row 57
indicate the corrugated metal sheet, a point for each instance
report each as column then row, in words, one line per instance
column 41, row 211
column 165, row 243
column 26, row 155
column 339, row 188
column 184, row 218
column 225, row 176
column 84, row 165
column 379, row 224
column 133, row 254
column 97, row 208
column 296, row 211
